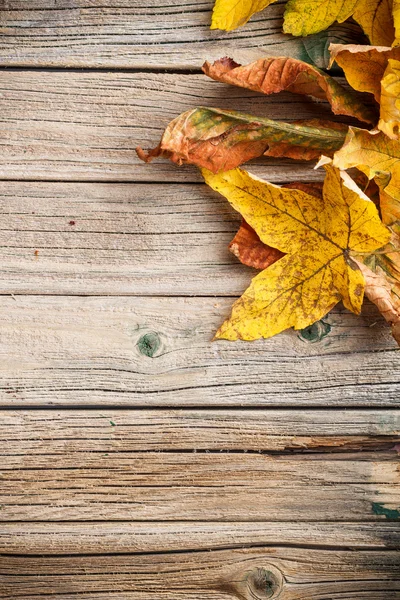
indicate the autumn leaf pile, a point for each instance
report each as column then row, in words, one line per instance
column 314, row 244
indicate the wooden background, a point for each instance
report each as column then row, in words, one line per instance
column 140, row 461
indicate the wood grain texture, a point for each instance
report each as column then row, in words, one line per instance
column 158, row 352
column 37, row 435
column 66, row 538
column 139, row 239
column 86, row 126
column 202, row 486
column 142, row 34
column 246, row 574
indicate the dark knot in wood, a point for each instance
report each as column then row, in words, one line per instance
column 264, row 583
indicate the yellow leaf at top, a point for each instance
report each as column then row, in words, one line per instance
column 375, row 18
column 230, row 14
column 318, row 236
column 303, row 17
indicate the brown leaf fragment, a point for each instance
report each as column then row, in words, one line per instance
column 379, row 291
column 251, row 251
column 220, row 140
column 272, row 75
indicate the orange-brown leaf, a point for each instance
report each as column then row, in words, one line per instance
column 220, row 140
column 251, row 251
column 276, row 74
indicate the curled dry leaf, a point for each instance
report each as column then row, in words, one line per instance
column 318, row 236
column 375, row 70
column 303, row 17
column 230, row 14
column 378, row 290
column 222, row 140
column 363, row 66
column 378, row 157
column 272, row 75
column 389, row 122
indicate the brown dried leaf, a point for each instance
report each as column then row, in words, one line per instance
column 276, row 74
column 379, row 291
column 251, row 251
column 220, row 140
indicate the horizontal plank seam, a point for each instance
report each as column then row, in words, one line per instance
column 201, row 407
column 248, row 546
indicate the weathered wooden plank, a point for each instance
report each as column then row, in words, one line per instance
column 203, row 486
column 158, row 351
column 117, row 239
column 85, row 126
column 135, row 537
column 38, row 435
column 262, row 573
column 141, row 34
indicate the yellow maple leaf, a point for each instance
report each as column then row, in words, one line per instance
column 318, row 237
column 303, row 17
column 230, row 14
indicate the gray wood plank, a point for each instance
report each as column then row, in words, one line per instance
column 137, row 239
column 158, row 352
column 139, row 34
column 85, row 126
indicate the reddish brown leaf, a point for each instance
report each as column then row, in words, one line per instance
column 220, row 140
column 276, row 74
column 251, row 251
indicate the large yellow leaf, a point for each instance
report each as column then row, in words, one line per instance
column 222, row 139
column 303, row 17
column 378, row 157
column 318, row 237
column 230, row 14
column 271, row 75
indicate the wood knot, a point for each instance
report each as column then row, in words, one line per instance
column 264, row 583
column 315, row 332
column 149, row 344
